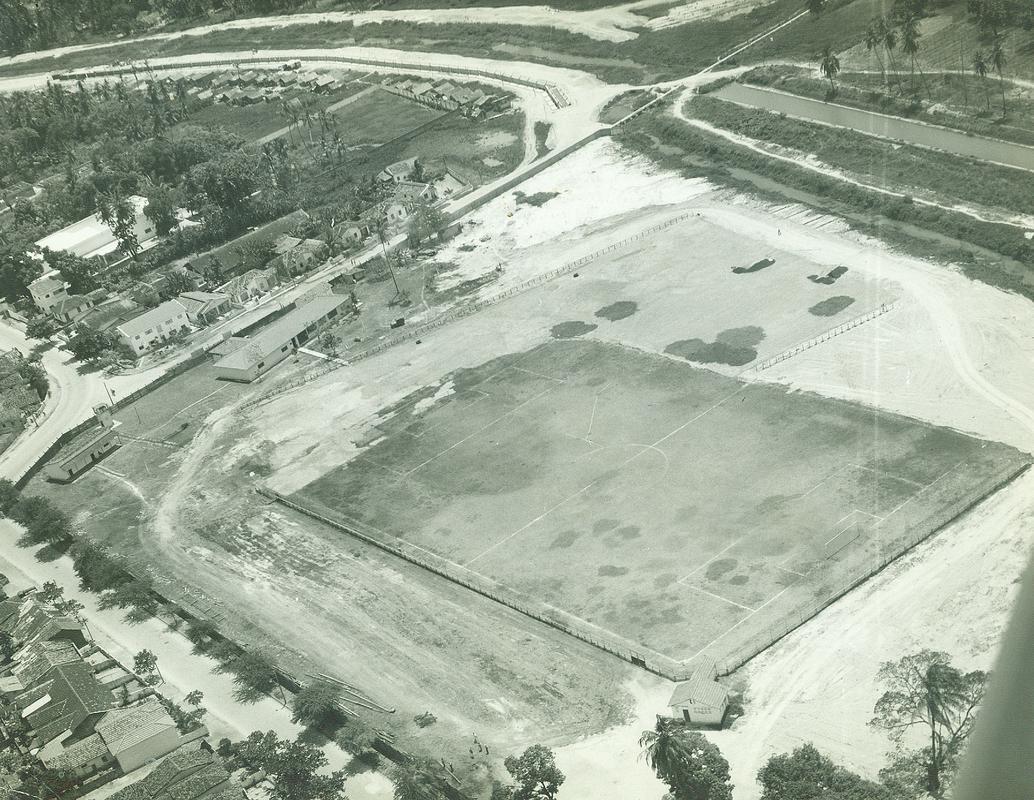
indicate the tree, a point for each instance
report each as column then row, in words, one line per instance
column 536, row 774
column 161, row 207
column 925, row 691
column 427, row 220
column 998, row 62
column 226, row 181
column 358, row 739
column 382, row 237
column 874, row 43
column 17, row 271
column 194, row 698
column 980, row 68
column 136, row 595
column 294, row 769
column 254, row 676
column 806, row 774
column 316, row 704
column 40, row 327
column 415, row 780
column 830, row 67
column 692, row 767
column 910, row 35
column 145, row 664
column 200, row 632
column 815, row 7
column 77, row 271
column 9, row 496
column 49, row 593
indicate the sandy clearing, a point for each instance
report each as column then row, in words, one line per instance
column 954, row 352
column 952, row 593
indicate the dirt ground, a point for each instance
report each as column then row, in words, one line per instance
column 952, row 352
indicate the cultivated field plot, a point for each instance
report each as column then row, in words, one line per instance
column 664, row 503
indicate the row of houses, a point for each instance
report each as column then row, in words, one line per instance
column 75, row 708
column 474, row 103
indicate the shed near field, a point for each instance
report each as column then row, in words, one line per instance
column 276, row 342
column 701, row 700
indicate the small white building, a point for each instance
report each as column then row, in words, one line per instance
column 701, row 700
column 399, row 171
column 154, row 326
column 48, row 290
column 139, row 734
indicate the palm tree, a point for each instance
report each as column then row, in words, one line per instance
column 830, row 66
column 889, row 39
column 382, row 236
column 873, row 42
column 667, row 752
column 980, row 68
column 998, row 62
column 910, row 35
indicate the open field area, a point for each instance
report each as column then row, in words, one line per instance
column 721, row 291
column 549, row 471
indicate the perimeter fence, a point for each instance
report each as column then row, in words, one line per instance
column 463, row 311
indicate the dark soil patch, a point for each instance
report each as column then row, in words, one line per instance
column 747, row 336
column 734, row 347
column 619, row 310
column 719, row 568
column 604, row 525
column 538, row 199
column 628, row 532
column 565, row 539
column 568, row 330
column 831, row 306
column 757, row 266
column 610, row 571
column 738, row 580
column 829, row 278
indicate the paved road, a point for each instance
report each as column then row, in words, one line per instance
column 882, row 125
column 71, row 400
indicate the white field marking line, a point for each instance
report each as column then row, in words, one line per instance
column 524, row 527
column 624, row 464
column 887, row 474
column 719, row 597
column 538, row 375
column 793, row 571
column 715, row 557
column 730, row 629
column 167, row 420
column 817, row 485
column 592, row 417
column 369, row 460
column 840, row 533
column 440, row 424
column 480, row 430
column 912, row 497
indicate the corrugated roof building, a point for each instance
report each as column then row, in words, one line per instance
column 276, row 342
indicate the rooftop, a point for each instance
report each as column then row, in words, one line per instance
column 88, row 237
column 123, row 728
column 146, row 321
column 281, row 332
